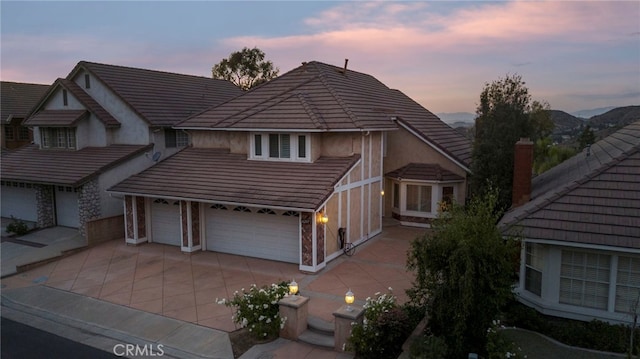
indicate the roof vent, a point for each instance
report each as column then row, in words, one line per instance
column 344, row 70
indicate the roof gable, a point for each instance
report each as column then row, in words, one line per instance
column 160, row 98
column 592, row 198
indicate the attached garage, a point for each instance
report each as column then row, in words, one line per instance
column 19, row 200
column 67, row 214
column 165, row 222
column 254, row 232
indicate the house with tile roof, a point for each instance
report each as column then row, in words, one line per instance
column 18, row 99
column 295, row 168
column 580, row 227
column 94, row 128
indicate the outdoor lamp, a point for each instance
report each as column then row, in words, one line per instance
column 349, row 298
column 324, row 219
column 382, row 192
column 293, row 288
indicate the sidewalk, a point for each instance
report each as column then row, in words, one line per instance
column 104, row 325
column 39, row 245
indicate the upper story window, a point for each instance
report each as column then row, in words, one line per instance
column 53, row 137
column 280, row 146
column 173, row 138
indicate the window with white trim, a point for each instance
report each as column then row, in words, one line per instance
column 54, row 137
column 280, row 147
column 584, row 279
column 628, row 284
column 418, row 198
column 533, row 269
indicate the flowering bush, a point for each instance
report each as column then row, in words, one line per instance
column 383, row 330
column 257, row 309
column 498, row 346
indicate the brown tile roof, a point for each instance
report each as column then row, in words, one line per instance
column 424, row 172
column 61, row 167
column 321, row 97
column 161, row 98
column 592, row 199
column 53, row 118
column 19, row 98
column 214, row 175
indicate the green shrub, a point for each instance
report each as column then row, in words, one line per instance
column 258, row 309
column 428, row 347
column 596, row 334
column 17, row 226
column 384, row 329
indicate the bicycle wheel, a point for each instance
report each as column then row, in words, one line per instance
column 349, row 249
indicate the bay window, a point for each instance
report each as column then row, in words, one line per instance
column 584, row 279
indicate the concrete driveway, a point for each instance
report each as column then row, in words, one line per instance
column 161, row 279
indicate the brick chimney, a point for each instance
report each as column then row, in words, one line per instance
column 522, row 170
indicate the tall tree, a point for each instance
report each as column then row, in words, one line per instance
column 587, row 137
column 464, row 271
column 246, row 68
column 505, row 114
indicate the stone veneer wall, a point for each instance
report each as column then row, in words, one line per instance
column 307, row 238
column 88, row 204
column 44, row 200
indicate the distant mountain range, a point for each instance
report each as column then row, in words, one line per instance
column 596, row 117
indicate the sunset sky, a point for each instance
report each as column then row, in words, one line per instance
column 575, row 55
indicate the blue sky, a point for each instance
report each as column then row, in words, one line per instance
column 573, row 54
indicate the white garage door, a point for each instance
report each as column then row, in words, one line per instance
column 165, row 222
column 67, row 207
column 19, row 200
column 255, row 233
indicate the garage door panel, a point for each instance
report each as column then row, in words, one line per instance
column 67, row 207
column 261, row 235
column 19, row 202
column 165, row 222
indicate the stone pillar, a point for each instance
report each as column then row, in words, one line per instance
column 44, row 199
column 295, row 309
column 88, row 204
column 343, row 320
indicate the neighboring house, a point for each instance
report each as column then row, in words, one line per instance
column 294, row 168
column 580, row 225
column 17, row 101
column 94, row 128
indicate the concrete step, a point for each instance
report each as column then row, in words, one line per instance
column 318, row 339
column 320, row 326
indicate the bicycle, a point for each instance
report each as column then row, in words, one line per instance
column 349, row 249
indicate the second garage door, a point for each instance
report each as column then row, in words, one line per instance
column 261, row 233
column 67, row 207
column 19, row 201
column 165, row 222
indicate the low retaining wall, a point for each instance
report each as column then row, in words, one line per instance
column 105, row 229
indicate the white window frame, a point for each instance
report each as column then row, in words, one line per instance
column 264, row 153
column 627, row 283
column 58, row 137
column 533, row 263
column 436, row 196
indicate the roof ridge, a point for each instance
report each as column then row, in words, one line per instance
column 572, row 185
column 347, row 110
column 312, row 111
column 247, row 110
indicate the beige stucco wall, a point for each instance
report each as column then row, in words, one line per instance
column 404, row 148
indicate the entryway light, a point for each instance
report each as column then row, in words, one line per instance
column 293, row 288
column 349, row 298
column 324, row 219
column 382, row 193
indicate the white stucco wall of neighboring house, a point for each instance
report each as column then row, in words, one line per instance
column 133, row 129
column 112, row 205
